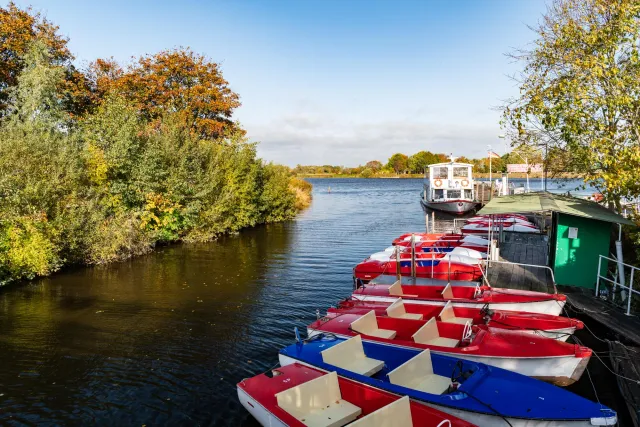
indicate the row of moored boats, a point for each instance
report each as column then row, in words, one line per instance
column 441, row 351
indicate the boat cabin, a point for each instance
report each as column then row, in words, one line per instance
column 449, row 181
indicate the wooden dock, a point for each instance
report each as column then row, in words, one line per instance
column 523, row 249
column 626, row 362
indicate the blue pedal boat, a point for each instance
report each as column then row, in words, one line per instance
column 478, row 393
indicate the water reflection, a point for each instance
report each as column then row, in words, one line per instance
column 163, row 339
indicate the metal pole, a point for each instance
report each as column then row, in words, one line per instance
column 619, row 258
column 598, row 278
column 413, row 256
column 426, row 219
column 490, row 177
column 630, row 293
column 398, row 274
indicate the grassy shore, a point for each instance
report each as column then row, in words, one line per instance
column 565, row 175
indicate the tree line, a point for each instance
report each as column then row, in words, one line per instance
column 103, row 163
column 400, row 163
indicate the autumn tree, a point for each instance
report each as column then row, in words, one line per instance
column 178, row 82
column 18, row 30
column 580, row 93
column 373, row 165
column 398, row 162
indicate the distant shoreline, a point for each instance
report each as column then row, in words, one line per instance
column 566, row 175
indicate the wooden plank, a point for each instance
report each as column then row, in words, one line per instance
column 625, row 326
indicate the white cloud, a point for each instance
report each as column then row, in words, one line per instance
column 313, row 139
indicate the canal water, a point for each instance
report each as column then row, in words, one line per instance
column 163, row 339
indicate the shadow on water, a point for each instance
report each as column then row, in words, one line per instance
column 163, row 339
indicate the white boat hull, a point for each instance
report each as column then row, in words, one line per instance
column 259, row 412
column 455, row 207
column 552, row 307
column 560, row 370
column 487, row 420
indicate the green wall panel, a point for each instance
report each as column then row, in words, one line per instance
column 575, row 261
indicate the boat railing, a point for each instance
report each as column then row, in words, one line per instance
column 488, row 262
column 616, row 277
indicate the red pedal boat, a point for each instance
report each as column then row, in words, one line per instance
column 465, row 296
column 430, row 237
column 483, row 227
column 546, row 359
column 428, row 265
column 298, row 395
column 543, row 325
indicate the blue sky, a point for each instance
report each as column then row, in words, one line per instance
column 332, row 81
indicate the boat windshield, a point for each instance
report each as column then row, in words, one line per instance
column 438, row 194
column 467, row 194
column 453, row 194
column 461, row 172
column 440, row 172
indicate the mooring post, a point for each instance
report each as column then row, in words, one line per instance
column 413, row 256
column 398, row 274
column 426, row 220
column 433, row 221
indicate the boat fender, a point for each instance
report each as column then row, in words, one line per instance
column 297, row 332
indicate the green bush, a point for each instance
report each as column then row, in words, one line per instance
column 112, row 186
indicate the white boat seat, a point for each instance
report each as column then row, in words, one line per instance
column 350, row 355
column 429, row 335
column 396, row 414
column 368, row 325
column 447, row 292
column 448, row 315
column 417, row 374
column 318, row 403
column 398, row 311
column 396, row 290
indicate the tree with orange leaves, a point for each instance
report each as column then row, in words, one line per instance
column 178, row 82
column 18, row 30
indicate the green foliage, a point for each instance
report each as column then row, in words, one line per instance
column 366, row 173
column 580, row 93
column 110, row 186
column 419, row 161
column 399, row 163
column 275, row 207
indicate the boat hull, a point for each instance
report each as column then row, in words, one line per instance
column 559, row 370
column 458, row 207
column 553, row 307
column 479, row 419
column 259, row 412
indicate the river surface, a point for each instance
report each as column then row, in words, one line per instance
column 163, row 339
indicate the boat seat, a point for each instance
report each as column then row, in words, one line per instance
column 396, row 290
column 396, row 414
column 417, row 374
column 397, row 310
column 447, row 292
column 368, row 325
column 448, row 315
column 350, row 355
column 429, row 335
column 318, row 403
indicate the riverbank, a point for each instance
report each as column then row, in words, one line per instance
column 564, row 175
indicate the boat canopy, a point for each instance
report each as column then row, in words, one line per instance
column 544, row 201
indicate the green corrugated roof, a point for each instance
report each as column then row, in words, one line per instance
column 545, row 201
